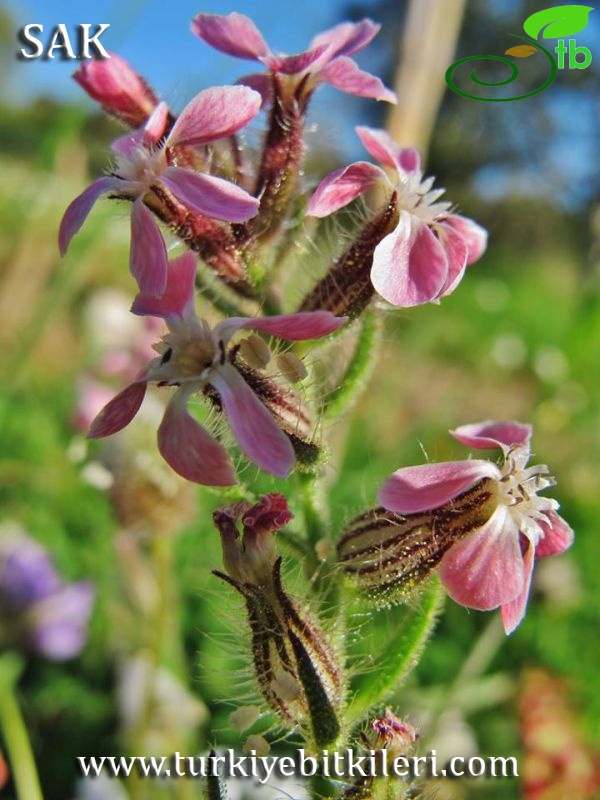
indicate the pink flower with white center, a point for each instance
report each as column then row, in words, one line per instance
column 193, row 357
column 490, row 562
column 118, row 88
column 327, row 59
column 424, row 258
column 144, row 163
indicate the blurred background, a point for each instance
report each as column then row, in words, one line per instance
column 518, row 340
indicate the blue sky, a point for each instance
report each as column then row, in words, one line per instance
column 158, row 42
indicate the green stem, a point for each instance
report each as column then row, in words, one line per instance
column 360, row 368
column 312, row 508
column 14, row 733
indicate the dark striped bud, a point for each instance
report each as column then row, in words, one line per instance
column 346, row 288
column 388, row 554
column 295, row 666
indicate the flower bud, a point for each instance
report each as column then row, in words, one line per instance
column 118, row 88
column 295, row 667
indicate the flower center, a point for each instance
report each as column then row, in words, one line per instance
column 518, row 490
column 418, row 198
column 140, row 166
column 193, row 357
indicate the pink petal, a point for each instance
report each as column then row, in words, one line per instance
column 410, row 265
column 213, row 114
column 490, row 434
column 558, row 536
column 126, row 144
column 514, row 611
column 252, row 424
column 348, row 37
column 295, row 327
column 342, row 186
column 179, row 294
column 474, row 235
column 485, row 569
column 78, row 210
column 234, row 34
column 119, row 412
column 456, row 253
column 292, row 65
column 344, row 74
column 155, row 127
column 414, row 489
column 190, row 450
column 148, row 255
column 213, row 197
column 261, row 82
column 385, row 150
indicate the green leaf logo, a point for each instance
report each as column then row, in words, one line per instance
column 557, row 22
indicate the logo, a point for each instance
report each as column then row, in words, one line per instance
column 59, row 40
column 551, row 23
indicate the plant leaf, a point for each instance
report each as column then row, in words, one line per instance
column 521, row 51
column 401, row 654
column 558, row 21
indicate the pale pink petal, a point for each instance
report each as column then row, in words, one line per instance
column 490, row 434
column 261, row 82
column 342, row 186
column 78, row 210
column 119, row 412
column 414, row 489
column 148, row 255
column 292, row 65
column 456, row 253
column 190, row 450
column 213, row 197
column 346, row 76
column 234, row 34
column 155, row 127
column 347, row 37
column 558, row 536
column 410, row 265
column 514, row 611
column 474, row 235
column 295, row 327
column 179, row 294
column 485, row 569
column 213, row 114
column 128, row 143
column 385, row 150
column 257, row 434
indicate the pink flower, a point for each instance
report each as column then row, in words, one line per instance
column 327, row 59
column 425, row 257
column 118, row 88
column 490, row 560
column 194, row 357
column 144, row 163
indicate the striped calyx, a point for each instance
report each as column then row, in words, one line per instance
column 388, row 554
column 295, row 666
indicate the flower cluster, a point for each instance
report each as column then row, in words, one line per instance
column 234, row 318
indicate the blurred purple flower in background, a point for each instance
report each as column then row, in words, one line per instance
column 38, row 611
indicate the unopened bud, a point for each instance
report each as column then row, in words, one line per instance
column 291, row 367
column 118, row 88
column 255, row 351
